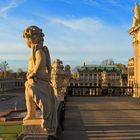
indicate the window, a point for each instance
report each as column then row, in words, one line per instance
column 76, row 84
column 86, row 84
column 71, row 84
column 90, row 76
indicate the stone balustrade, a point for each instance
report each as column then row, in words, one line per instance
column 6, row 85
column 100, row 91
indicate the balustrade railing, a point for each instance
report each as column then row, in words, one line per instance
column 100, row 91
column 6, row 85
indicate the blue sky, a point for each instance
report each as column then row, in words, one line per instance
column 76, row 31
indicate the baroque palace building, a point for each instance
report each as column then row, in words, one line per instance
column 99, row 75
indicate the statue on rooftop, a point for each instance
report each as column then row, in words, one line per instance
column 104, row 78
column 136, row 18
column 38, row 91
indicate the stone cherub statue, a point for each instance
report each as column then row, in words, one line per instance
column 104, row 78
column 136, row 18
column 67, row 76
column 38, row 90
column 59, row 78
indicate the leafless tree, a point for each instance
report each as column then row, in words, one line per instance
column 107, row 62
column 3, row 68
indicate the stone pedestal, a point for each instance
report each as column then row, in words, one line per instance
column 31, row 130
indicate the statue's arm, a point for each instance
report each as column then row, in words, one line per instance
column 38, row 57
column 48, row 64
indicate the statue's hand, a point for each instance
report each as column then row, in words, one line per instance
column 32, row 76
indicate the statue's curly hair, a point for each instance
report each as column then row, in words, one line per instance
column 32, row 30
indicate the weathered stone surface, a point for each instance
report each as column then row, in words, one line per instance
column 136, row 18
column 35, row 137
column 33, row 127
column 38, row 90
column 60, row 78
column 135, row 32
column 102, row 118
column 31, row 130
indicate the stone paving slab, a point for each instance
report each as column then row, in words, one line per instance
column 102, row 118
column 9, row 105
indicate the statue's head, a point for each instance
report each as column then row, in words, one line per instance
column 136, row 4
column 57, row 64
column 67, row 68
column 33, row 36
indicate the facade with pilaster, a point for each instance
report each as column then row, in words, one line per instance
column 97, row 75
column 135, row 32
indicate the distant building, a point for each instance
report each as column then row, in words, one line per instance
column 124, row 80
column 131, row 71
column 97, row 75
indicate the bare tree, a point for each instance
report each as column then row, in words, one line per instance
column 20, row 73
column 107, row 62
column 3, row 68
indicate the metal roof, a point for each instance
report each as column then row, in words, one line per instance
column 90, row 68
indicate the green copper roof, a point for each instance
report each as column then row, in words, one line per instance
column 90, row 68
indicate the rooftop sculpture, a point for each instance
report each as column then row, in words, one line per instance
column 136, row 18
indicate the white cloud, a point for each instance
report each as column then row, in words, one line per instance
column 92, row 2
column 81, row 24
column 105, row 4
column 114, row 2
column 12, row 45
column 87, row 39
column 72, row 40
column 7, row 6
column 64, row 1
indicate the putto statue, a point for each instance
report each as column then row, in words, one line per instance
column 38, row 90
column 136, row 18
column 67, row 76
column 104, row 78
column 60, row 77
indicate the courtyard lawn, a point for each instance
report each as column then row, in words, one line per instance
column 9, row 132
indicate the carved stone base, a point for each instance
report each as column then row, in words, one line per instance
column 31, row 130
column 33, row 127
column 35, row 137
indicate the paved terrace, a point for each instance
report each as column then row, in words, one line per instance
column 102, row 118
column 93, row 118
column 8, row 105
